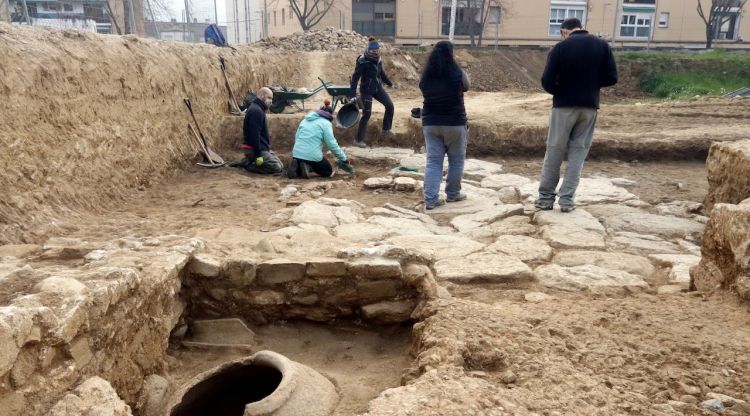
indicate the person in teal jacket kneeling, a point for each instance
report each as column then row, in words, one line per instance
column 316, row 130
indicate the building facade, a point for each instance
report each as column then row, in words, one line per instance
column 634, row 23
column 250, row 20
column 100, row 16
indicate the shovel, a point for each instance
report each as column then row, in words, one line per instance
column 212, row 157
column 234, row 108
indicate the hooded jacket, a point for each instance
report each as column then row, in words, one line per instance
column 313, row 132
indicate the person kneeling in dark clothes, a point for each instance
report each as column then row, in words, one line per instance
column 256, row 142
column 315, row 131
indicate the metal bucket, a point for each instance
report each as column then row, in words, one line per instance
column 348, row 116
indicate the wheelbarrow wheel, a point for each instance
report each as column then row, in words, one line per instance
column 277, row 107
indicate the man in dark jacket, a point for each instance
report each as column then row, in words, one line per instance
column 577, row 68
column 256, row 143
column 370, row 71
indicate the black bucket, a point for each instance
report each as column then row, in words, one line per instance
column 348, row 116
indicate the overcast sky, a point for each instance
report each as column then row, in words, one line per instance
column 201, row 9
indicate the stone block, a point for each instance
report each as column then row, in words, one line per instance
column 725, row 258
column 19, row 251
column 586, row 277
column 266, row 297
column 571, row 237
column 378, row 183
column 280, row 271
column 61, row 285
column 240, row 273
column 488, row 267
column 375, row 268
column 403, row 184
column 728, row 167
column 80, row 351
column 326, row 268
column 369, row 291
column 389, row 312
column 204, row 265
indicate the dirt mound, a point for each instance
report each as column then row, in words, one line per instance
column 328, row 39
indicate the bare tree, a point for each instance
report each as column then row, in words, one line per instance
column 721, row 13
column 310, row 12
column 481, row 11
column 112, row 17
column 488, row 7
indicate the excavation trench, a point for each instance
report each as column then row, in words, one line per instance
column 344, row 325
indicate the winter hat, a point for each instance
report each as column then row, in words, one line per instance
column 372, row 51
column 326, row 111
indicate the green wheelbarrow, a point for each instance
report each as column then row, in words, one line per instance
column 339, row 93
column 283, row 98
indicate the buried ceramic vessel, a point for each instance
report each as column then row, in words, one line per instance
column 264, row 384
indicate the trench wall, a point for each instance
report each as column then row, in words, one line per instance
column 88, row 118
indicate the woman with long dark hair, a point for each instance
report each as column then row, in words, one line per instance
column 443, row 84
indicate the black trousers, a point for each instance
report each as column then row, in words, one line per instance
column 383, row 98
column 322, row 168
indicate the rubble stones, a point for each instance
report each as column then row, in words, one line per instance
column 328, row 39
column 585, row 277
column 19, row 250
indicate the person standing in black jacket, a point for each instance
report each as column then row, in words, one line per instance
column 577, row 68
column 256, row 142
column 370, row 75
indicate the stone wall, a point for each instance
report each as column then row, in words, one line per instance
column 726, row 251
column 79, row 310
column 728, row 173
column 377, row 289
column 75, row 310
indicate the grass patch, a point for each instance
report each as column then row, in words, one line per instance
column 675, row 85
column 674, row 75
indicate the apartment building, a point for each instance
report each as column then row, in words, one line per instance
column 634, row 23
column 100, row 16
column 247, row 22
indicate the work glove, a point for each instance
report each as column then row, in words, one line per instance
column 259, row 161
column 345, row 166
column 393, row 86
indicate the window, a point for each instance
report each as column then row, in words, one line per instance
column 636, row 25
column 727, row 26
column 274, row 17
column 664, row 19
column 51, row 7
column 67, row 7
column 283, row 17
column 558, row 14
column 465, row 17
